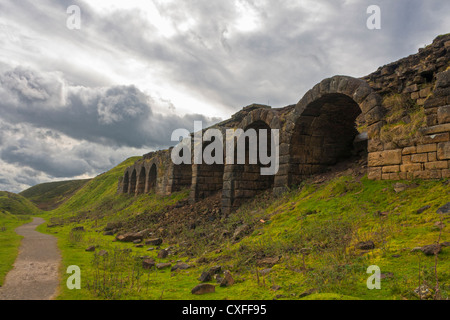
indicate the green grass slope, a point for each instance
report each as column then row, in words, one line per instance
column 15, row 210
column 9, row 241
column 16, row 204
column 48, row 196
column 306, row 241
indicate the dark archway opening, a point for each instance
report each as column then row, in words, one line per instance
column 133, row 181
column 152, row 175
column 126, row 182
column 141, row 181
column 324, row 135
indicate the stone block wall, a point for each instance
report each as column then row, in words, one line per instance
column 320, row 129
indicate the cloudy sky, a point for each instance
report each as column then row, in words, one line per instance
column 76, row 102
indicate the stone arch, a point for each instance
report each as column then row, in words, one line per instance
column 152, row 178
column 126, row 182
column 140, row 187
column 244, row 181
column 207, row 179
column 133, row 181
column 321, row 128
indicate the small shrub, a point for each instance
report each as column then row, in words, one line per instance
column 403, row 121
column 76, row 236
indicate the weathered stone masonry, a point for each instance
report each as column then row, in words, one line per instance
column 319, row 131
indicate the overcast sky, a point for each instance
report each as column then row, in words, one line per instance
column 75, row 103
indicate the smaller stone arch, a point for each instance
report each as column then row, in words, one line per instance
column 207, row 179
column 133, row 181
column 242, row 182
column 140, row 187
column 152, row 179
column 126, row 182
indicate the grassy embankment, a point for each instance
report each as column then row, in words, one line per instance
column 48, row 196
column 15, row 210
column 328, row 219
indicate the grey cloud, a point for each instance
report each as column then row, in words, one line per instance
column 117, row 116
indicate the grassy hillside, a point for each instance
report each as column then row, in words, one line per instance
column 9, row 241
column 14, row 211
column 48, row 196
column 16, row 204
column 302, row 245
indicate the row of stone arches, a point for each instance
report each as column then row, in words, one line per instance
column 140, row 180
column 316, row 133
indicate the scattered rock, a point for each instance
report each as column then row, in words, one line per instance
column 130, row 237
column 440, row 225
column 399, row 187
column 148, row 263
column 203, row 289
column 137, row 241
column 365, row 245
column 205, row 277
column 160, row 266
column 108, row 233
column 102, row 253
column 423, row 292
column 110, row 226
column 307, row 293
column 78, row 229
column 444, row 209
column 270, row 262
column 386, row 275
column 276, row 288
column 163, row 253
column 227, row 280
column 416, row 249
column 139, row 246
column 180, row 266
column 265, row 271
column 423, row 209
column 215, row 270
column 90, row 249
column 202, row 260
column 151, row 249
column 431, row 249
column 154, row 242
column 306, row 251
column 241, row 232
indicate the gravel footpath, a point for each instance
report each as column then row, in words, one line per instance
column 35, row 273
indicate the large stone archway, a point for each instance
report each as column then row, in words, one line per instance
column 321, row 129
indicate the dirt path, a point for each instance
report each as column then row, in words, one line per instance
column 35, row 272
